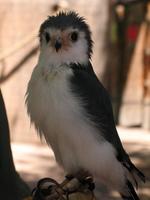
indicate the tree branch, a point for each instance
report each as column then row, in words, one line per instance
column 19, row 65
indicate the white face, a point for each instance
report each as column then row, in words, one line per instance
column 64, row 46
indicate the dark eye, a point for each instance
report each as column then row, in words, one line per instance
column 47, row 37
column 74, row 36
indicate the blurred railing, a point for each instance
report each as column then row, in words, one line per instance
column 15, row 48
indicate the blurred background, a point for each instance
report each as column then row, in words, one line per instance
column 121, row 60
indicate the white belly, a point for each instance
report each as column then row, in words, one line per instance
column 58, row 114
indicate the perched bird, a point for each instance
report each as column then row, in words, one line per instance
column 72, row 110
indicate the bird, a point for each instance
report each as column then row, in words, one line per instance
column 72, row 110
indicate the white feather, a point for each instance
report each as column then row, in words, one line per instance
column 59, row 115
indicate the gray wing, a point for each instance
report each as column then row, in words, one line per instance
column 97, row 104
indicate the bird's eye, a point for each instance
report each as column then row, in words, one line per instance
column 74, row 36
column 47, row 37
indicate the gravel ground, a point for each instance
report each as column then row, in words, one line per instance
column 35, row 161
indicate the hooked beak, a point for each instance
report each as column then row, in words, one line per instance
column 57, row 45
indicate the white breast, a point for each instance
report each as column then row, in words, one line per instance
column 58, row 114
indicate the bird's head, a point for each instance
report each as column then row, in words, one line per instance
column 65, row 38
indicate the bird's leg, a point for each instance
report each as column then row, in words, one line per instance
column 84, row 177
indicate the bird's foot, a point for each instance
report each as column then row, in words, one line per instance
column 84, row 177
column 80, row 184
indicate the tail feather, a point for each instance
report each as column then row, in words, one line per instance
column 134, row 172
column 137, row 172
column 131, row 192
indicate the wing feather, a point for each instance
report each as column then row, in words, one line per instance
column 97, row 104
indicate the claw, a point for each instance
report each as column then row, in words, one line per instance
column 86, row 179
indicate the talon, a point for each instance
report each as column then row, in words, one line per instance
column 85, row 178
column 89, row 181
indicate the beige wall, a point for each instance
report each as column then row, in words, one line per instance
column 19, row 18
